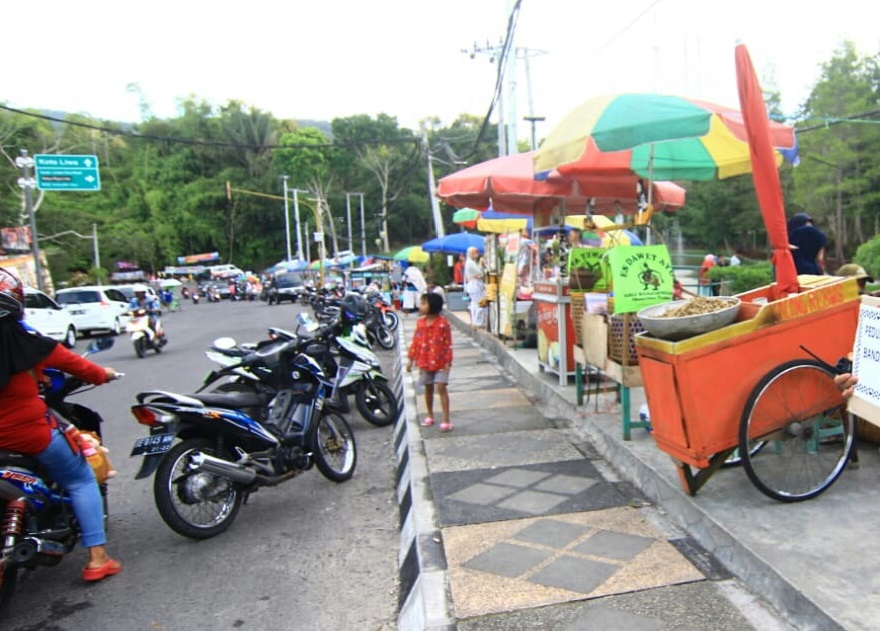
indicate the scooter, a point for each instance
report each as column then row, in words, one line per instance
column 143, row 337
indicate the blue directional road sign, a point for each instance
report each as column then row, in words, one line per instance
column 67, row 173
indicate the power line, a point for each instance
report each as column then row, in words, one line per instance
column 127, row 133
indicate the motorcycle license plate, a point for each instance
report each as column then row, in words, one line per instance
column 149, row 445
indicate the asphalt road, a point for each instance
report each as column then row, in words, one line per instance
column 306, row 555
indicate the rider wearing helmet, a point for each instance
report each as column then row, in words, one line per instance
column 28, row 426
column 140, row 300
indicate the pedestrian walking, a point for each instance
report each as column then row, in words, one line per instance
column 431, row 352
column 475, row 286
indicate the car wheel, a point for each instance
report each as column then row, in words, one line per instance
column 70, row 337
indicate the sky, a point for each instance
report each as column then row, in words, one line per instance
column 410, row 59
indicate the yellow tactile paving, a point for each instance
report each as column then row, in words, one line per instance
column 483, row 592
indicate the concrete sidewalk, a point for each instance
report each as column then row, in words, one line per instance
column 534, row 513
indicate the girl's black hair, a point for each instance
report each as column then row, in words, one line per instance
column 435, row 302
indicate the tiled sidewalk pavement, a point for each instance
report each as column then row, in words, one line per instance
column 539, row 533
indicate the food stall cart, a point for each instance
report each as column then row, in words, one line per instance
column 556, row 334
column 763, row 385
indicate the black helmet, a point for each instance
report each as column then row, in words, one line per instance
column 356, row 305
column 11, row 296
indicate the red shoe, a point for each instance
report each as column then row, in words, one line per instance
column 110, row 568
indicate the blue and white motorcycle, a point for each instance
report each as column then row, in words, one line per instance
column 38, row 525
column 209, row 451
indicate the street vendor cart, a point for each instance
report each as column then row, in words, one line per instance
column 763, row 385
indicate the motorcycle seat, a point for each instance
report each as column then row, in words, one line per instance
column 234, row 400
column 16, row 459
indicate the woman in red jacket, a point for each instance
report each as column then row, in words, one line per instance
column 26, row 424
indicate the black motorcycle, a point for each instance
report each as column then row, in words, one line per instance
column 232, row 443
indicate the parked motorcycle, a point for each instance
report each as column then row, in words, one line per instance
column 143, row 337
column 225, row 453
column 344, row 354
column 389, row 316
column 39, row 527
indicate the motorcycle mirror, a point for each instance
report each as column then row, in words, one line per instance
column 223, row 343
column 100, row 344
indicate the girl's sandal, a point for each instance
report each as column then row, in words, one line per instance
column 446, row 427
column 427, row 422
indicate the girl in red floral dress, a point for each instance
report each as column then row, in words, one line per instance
column 431, row 351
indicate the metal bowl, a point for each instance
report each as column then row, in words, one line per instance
column 673, row 329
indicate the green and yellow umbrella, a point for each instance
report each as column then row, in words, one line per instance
column 466, row 217
column 412, row 254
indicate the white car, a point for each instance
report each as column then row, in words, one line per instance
column 48, row 317
column 128, row 291
column 95, row 308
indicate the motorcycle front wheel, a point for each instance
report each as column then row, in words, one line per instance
column 376, row 402
column 384, row 337
column 332, row 443
column 140, row 347
column 197, row 505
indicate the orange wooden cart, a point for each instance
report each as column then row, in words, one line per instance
column 752, row 386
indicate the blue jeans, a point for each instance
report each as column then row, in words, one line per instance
column 74, row 473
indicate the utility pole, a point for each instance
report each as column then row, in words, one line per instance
column 432, row 188
column 493, row 52
column 286, row 216
column 299, row 245
column 363, row 227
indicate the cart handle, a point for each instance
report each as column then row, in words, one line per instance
column 844, row 364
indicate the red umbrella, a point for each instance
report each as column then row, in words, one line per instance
column 508, row 184
column 764, row 172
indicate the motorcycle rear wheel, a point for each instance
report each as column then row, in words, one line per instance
column 332, row 443
column 8, row 583
column 183, row 499
column 376, row 402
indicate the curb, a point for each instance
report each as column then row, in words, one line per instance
column 424, row 600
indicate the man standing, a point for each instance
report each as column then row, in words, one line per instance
column 807, row 245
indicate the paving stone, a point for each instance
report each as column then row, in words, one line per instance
column 507, row 560
column 559, row 532
column 615, row 545
column 575, row 575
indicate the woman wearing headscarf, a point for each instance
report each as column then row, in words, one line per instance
column 475, row 286
column 28, row 426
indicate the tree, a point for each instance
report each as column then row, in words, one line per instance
column 838, row 177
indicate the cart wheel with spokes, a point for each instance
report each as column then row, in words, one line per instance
column 799, row 412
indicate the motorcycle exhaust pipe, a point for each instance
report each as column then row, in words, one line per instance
column 46, row 552
column 199, row 461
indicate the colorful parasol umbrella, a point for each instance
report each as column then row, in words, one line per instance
column 466, row 217
column 508, row 184
column 412, row 254
column 764, row 173
column 657, row 137
column 457, row 243
column 604, row 237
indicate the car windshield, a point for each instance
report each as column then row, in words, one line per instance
column 128, row 292
column 289, row 280
column 83, row 295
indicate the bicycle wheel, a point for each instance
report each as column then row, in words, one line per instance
column 800, row 413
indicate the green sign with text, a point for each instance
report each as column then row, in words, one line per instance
column 67, row 173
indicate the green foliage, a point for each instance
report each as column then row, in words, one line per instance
column 163, row 183
column 740, row 278
column 868, row 256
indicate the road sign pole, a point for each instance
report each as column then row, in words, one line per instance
column 25, row 162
